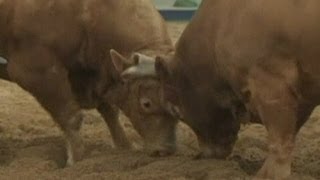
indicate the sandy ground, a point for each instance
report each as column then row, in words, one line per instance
column 31, row 147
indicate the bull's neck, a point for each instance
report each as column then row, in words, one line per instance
column 118, row 94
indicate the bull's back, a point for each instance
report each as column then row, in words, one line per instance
column 54, row 24
column 238, row 35
column 125, row 25
column 242, row 32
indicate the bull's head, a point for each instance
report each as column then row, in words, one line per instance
column 206, row 109
column 142, row 102
column 207, row 112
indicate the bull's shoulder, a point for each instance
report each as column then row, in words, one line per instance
column 132, row 24
column 44, row 17
column 51, row 23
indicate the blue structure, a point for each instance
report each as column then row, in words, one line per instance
column 178, row 14
column 169, row 12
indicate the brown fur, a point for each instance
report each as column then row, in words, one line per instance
column 258, row 56
column 58, row 50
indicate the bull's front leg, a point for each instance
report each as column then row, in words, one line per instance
column 36, row 69
column 278, row 106
column 74, row 144
column 111, row 117
column 280, row 122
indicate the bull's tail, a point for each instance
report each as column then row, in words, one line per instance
column 3, row 69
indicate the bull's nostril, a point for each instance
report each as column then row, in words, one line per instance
column 147, row 104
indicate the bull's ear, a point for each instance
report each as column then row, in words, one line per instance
column 120, row 62
column 162, row 68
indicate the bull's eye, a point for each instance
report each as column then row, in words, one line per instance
column 146, row 104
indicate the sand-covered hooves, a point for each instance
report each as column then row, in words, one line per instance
column 249, row 166
column 7, row 154
column 160, row 153
column 50, row 151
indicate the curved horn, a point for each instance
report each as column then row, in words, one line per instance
column 144, row 67
column 3, row 61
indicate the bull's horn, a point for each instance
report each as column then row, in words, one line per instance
column 144, row 67
column 3, row 61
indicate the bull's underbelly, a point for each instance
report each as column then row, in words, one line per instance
column 84, row 84
column 310, row 90
column 86, row 99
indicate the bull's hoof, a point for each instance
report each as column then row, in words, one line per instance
column 161, row 153
column 124, row 146
column 268, row 178
column 74, row 154
column 271, row 176
column 204, row 155
column 201, row 155
column 215, row 153
column 272, row 169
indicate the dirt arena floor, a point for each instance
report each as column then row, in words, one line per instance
column 31, row 147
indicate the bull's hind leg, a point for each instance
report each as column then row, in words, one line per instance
column 281, row 111
column 38, row 71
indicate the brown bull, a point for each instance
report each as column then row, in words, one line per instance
column 61, row 52
column 260, row 57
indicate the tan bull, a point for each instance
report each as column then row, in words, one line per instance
column 61, row 51
column 260, row 57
